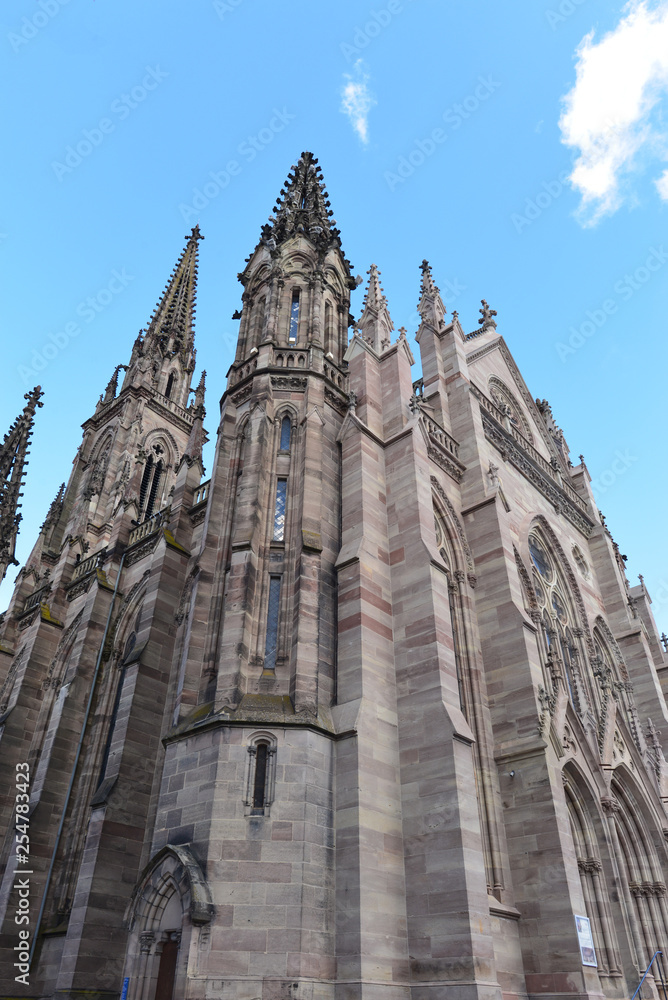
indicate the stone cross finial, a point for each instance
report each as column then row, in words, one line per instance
column 487, row 316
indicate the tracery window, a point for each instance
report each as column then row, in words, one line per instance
column 507, row 402
column 558, row 619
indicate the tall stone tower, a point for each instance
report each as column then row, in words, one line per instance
column 68, row 693
column 374, row 712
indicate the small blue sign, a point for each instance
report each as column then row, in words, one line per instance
column 126, row 983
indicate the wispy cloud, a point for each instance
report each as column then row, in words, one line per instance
column 612, row 114
column 357, row 100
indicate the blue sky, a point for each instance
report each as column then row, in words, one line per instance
column 117, row 114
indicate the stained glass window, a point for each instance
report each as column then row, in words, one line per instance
column 540, row 558
column 271, row 643
column 279, row 510
column 286, row 430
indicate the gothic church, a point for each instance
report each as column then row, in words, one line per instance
column 372, row 714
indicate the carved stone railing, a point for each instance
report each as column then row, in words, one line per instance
column 441, row 436
column 202, row 493
column 169, row 404
column 89, row 564
column 291, row 357
column 148, row 527
column 35, row 599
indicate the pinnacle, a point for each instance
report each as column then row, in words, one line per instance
column 430, row 306
column 303, row 207
column 13, row 461
column 375, row 322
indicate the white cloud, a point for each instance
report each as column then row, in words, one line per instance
column 608, row 115
column 662, row 185
column 357, row 100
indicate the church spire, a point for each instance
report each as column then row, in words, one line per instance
column 303, row 207
column 375, row 323
column 170, row 331
column 13, row 460
column 163, row 356
column 430, row 306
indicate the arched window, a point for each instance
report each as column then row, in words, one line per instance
column 260, row 779
column 170, row 385
column 259, row 782
column 509, row 406
column 294, row 317
column 558, row 619
column 286, row 432
column 329, row 329
column 258, row 321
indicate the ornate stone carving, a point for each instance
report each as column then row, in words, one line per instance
column 335, row 400
column 510, row 450
column 243, row 394
column 590, row 865
column 292, row 383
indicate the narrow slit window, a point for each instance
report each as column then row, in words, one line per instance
column 260, row 782
column 170, row 385
column 286, row 431
column 294, row 317
column 279, row 510
column 271, row 643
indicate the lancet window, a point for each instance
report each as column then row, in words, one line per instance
column 294, row 317
column 273, row 609
column 286, row 433
column 279, row 509
column 559, row 632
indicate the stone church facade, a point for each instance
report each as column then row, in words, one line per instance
column 372, row 713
